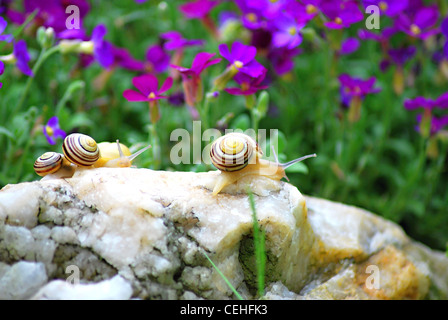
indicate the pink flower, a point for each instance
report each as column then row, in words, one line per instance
column 148, row 85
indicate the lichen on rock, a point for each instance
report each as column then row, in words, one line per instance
column 143, row 233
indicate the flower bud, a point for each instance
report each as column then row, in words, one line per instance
column 263, row 103
column 45, row 37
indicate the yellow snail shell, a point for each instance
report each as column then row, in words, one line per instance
column 116, row 155
column 237, row 155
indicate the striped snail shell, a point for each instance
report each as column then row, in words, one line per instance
column 234, row 151
column 48, row 163
column 80, row 149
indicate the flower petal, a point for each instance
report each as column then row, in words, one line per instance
column 132, row 95
column 99, row 32
column 427, row 17
column 166, row 85
column 146, row 83
column 224, row 51
column 53, row 122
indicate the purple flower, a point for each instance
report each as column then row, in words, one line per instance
column 353, row 91
column 242, row 58
column 252, row 17
column 287, row 32
column 175, row 41
column 383, row 37
column 158, row 58
column 202, row 61
column 352, row 87
column 444, row 28
column 4, row 37
column 102, row 50
column 148, row 85
column 282, row 59
column 420, row 23
column 349, row 46
column 2, row 69
column 303, row 11
column 191, row 77
column 436, row 124
column 176, row 99
column 197, row 9
column 124, row 59
column 356, row 86
column 52, row 131
column 389, row 7
column 68, row 34
column 22, row 57
column 402, row 55
column 427, row 103
column 51, row 13
column 248, row 85
column 342, row 14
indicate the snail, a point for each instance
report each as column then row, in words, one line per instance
column 53, row 164
column 237, row 155
column 82, row 151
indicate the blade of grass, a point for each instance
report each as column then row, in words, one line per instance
column 224, row 277
column 19, row 30
column 260, row 255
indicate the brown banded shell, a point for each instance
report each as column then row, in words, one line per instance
column 234, row 151
column 48, row 163
column 80, row 149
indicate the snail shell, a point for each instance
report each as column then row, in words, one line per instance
column 237, row 155
column 80, row 149
column 53, row 165
column 48, row 163
column 234, row 151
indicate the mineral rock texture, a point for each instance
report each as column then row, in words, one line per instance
column 112, row 233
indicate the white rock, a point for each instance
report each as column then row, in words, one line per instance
column 19, row 204
column 115, row 288
column 22, row 280
column 64, row 235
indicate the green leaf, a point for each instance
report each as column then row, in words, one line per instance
column 80, row 120
column 7, row 133
column 241, row 122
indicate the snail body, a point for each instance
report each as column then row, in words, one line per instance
column 237, row 155
column 82, row 151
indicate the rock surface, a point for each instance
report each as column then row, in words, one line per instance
column 136, row 233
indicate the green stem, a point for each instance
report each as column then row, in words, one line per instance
column 255, row 119
column 155, row 146
column 435, row 176
column 403, row 193
column 44, row 55
column 72, row 88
